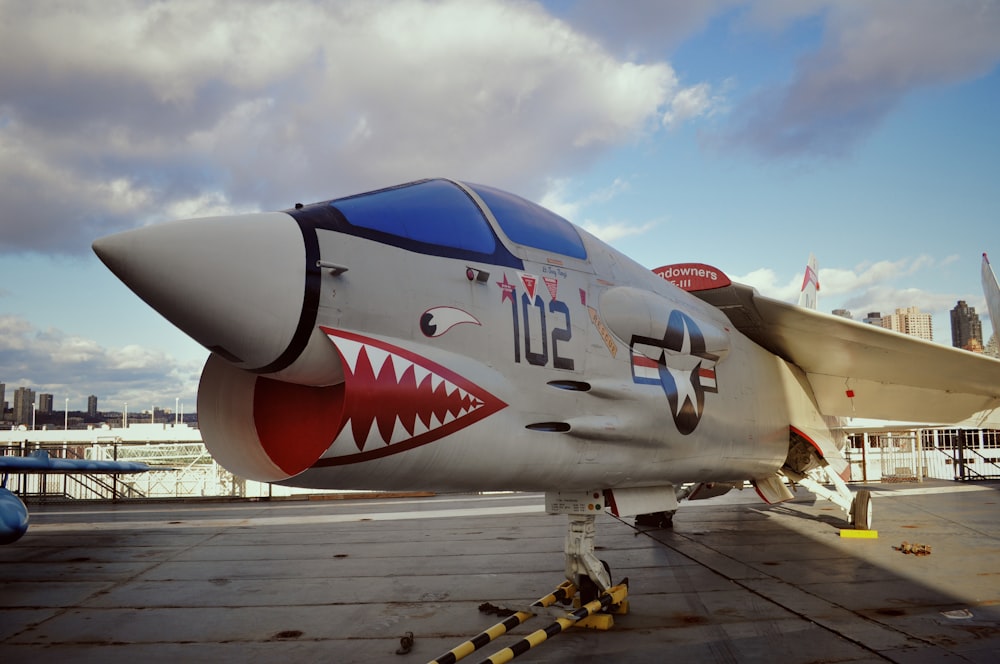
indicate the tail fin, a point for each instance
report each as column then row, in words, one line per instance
column 810, row 285
column 992, row 292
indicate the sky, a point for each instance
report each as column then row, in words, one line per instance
column 740, row 134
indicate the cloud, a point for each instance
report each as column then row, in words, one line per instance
column 874, row 287
column 560, row 200
column 126, row 112
column 886, row 299
column 615, row 230
column 767, row 282
column 836, row 282
column 648, row 28
column 72, row 367
column 120, row 113
column 873, row 55
column 693, row 102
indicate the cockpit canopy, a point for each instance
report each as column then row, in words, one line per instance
column 531, row 225
column 440, row 217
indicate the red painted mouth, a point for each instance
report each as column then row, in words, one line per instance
column 395, row 400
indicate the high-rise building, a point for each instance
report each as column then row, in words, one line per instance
column 974, row 346
column 910, row 321
column 92, row 406
column 873, row 318
column 965, row 327
column 24, row 401
column 3, row 403
column 992, row 347
column 843, row 313
column 44, row 404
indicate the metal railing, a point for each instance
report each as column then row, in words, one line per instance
column 964, row 454
column 70, row 486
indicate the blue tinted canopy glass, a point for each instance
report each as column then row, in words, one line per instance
column 532, row 225
column 433, row 212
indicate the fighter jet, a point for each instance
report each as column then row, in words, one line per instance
column 13, row 512
column 451, row 337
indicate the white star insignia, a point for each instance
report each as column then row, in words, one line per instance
column 685, row 390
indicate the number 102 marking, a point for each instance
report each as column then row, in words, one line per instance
column 521, row 319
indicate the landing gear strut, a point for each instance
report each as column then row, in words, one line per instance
column 806, row 467
column 583, row 568
column 857, row 507
column 582, row 565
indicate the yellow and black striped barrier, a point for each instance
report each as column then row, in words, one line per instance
column 564, row 592
column 614, row 595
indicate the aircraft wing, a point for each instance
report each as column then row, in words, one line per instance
column 40, row 462
column 858, row 370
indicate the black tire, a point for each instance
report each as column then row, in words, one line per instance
column 655, row 520
column 861, row 510
column 589, row 591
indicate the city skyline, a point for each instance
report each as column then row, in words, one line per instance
column 60, row 405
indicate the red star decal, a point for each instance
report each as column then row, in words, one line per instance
column 507, row 288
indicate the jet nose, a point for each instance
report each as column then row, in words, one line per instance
column 235, row 284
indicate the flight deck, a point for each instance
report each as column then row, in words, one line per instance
column 345, row 580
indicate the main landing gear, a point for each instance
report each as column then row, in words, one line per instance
column 857, row 507
column 804, row 466
column 585, row 573
column 584, row 569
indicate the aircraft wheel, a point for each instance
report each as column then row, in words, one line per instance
column 589, row 591
column 861, row 510
column 655, row 520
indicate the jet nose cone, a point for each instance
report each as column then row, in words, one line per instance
column 234, row 284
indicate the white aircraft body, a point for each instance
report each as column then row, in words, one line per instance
column 452, row 337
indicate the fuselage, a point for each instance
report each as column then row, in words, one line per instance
column 450, row 337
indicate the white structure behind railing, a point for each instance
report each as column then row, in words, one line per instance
column 193, row 472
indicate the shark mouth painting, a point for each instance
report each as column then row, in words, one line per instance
column 395, row 400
